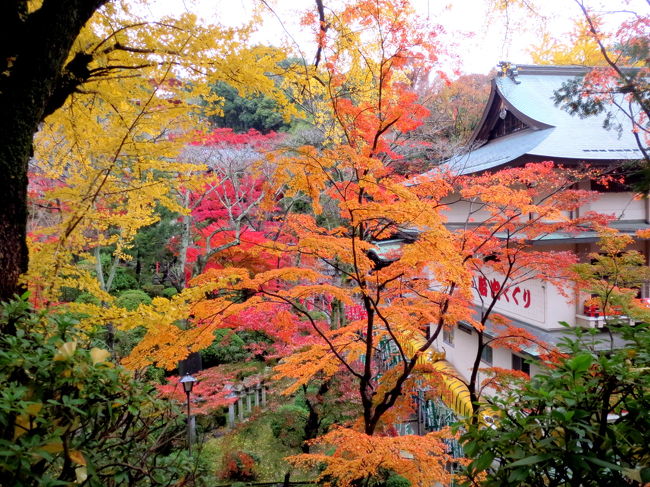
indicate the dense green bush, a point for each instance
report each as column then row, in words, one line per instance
column 153, row 290
column 68, row 415
column 226, row 348
column 583, row 421
column 132, row 298
column 124, row 279
column 125, row 340
column 168, row 292
column 87, row 298
column 288, row 425
column 395, row 480
column 69, row 294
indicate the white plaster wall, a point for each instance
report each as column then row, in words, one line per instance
column 622, row 205
column 458, row 211
column 545, row 308
column 534, row 370
column 461, row 354
column 556, row 307
column 559, row 308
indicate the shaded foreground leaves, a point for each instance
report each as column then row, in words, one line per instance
column 68, row 415
column 581, row 422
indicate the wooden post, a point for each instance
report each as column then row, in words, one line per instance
column 257, row 394
column 263, row 395
column 240, row 403
column 231, row 415
column 248, row 391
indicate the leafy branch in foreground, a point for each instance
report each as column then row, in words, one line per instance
column 68, row 415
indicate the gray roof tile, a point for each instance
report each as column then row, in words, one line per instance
column 533, row 96
column 569, row 136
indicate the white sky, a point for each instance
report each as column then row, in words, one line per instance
column 480, row 44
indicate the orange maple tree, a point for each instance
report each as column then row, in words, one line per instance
column 339, row 283
column 375, row 267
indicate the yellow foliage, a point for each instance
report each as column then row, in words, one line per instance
column 107, row 159
column 98, row 355
column 579, row 47
column 65, row 351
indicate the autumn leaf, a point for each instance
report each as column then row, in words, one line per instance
column 98, row 355
column 65, row 351
column 77, row 457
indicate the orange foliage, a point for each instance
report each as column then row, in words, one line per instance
column 342, row 253
column 345, row 276
column 420, row 459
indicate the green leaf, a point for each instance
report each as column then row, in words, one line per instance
column 580, row 363
column 603, row 463
column 484, row 461
column 645, row 474
column 529, row 461
column 518, row 474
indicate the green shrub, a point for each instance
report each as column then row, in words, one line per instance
column 155, row 375
column 582, row 420
column 227, row 347
column 153, row 290
column 395, row 480
column 67, row 415
column 288, row 425
column 69, row 294
column 133, row 298
column 87, row 298
column 124, row 279
column 126, row 340
column 168, row 292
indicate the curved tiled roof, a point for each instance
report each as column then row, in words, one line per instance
column 498, row 151
column 551, row 133
column 574, row 137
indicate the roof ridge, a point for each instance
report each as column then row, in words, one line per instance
column 560, row 69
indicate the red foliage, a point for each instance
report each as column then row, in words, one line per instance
column 228, row 137
column 287, row 331
column 239, row 466
column 500, row 379
column 209, row 393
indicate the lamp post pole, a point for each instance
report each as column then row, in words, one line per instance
column 188, row 383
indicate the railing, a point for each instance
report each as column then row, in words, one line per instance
column 243, row 397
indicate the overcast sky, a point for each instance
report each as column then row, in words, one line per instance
column 480, row 44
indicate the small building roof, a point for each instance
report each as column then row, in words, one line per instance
column 545, row 131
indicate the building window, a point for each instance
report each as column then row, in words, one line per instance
column 448, row 336
column 520, row 363
column 507, row 124
column 486, row 354
column 465, row 327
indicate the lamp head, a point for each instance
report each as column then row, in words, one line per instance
column 188, row 383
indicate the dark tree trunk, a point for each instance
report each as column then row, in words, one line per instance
column 314, row 419
column 34, row 82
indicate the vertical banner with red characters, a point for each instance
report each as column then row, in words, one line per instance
column 526, row 301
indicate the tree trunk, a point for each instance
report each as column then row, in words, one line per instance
column 34, row 82
column 13, row 212
column 186, row 229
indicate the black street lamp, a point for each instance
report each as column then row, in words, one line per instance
column 188, row 383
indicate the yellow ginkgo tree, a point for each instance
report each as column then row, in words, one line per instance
column 106, row 157
column 110, row 94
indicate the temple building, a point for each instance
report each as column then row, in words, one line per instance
column 522, row 124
